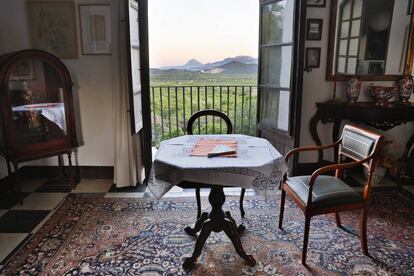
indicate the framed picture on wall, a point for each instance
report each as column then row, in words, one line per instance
column 95, row 23
column 52, row 27
column 313, row 57
column 314, row 29
column 316, row 3
column 410, row 7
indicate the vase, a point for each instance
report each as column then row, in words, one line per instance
column 382, row 94
column 353, row 89
column 405, row 89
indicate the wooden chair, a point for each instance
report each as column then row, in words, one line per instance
column 318, row 194
column 193, row 118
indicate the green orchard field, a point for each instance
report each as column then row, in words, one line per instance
column 177, row 95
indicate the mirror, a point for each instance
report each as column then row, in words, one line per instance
column 37, row 98
column 371, row 39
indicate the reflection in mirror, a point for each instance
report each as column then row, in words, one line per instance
column 371, row 37
column 36, row 95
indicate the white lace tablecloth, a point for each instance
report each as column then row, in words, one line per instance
column 258, row 165
column 54, row 112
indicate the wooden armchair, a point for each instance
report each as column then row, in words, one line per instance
column 318, row 194
column 193, row 118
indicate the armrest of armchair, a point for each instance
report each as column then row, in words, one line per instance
column 334, row 167
column 312, row 148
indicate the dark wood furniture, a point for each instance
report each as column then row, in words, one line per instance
column 381, row 117
column 36, row 109
column 196, row 116
column 318, row 194
column 217, row 220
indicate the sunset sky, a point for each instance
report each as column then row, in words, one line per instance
column 207, row 30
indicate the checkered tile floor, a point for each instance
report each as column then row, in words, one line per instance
column 19, row 222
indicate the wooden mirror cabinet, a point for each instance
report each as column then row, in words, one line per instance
column 36, row 109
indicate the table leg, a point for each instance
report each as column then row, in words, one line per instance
column 240, row 228
column 216, row 221
column 201, row 240
column 233, row 233
column 198, row 225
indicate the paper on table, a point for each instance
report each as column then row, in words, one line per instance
column 221, row 150
column 205, row 146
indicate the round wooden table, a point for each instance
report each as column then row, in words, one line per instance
column 258, row 165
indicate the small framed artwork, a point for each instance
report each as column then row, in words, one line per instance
column 52, row 27
column 316, row 3
column 313, row 57
column 95, row 22
column 314, row 29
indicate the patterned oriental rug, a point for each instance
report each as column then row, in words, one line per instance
column 146, row 237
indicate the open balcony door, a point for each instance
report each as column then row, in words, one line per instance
column 138, row 66
column 280, row 72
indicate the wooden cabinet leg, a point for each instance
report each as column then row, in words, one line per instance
column 314, row 133
column 17, row 178
column 61, row 174
column 335, row 137
column 71, row 179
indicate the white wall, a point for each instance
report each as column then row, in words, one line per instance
column 317, row 89
column 94, row 78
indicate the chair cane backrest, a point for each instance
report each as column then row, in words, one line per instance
column 209, row 112
column 358, row 143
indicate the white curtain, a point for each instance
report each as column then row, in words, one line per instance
column 128, row 165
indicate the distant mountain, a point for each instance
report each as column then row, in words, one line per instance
column 244, row 59
column 195, row 65
column 235, row 67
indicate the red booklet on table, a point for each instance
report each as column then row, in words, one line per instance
column 215, row 147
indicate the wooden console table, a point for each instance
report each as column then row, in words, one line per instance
column 381, row 117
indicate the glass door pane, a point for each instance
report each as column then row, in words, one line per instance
column 276, row 48
column 276, row 66
column 277, row 22
column 136, row 104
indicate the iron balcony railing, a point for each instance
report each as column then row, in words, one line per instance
column 172, row 106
